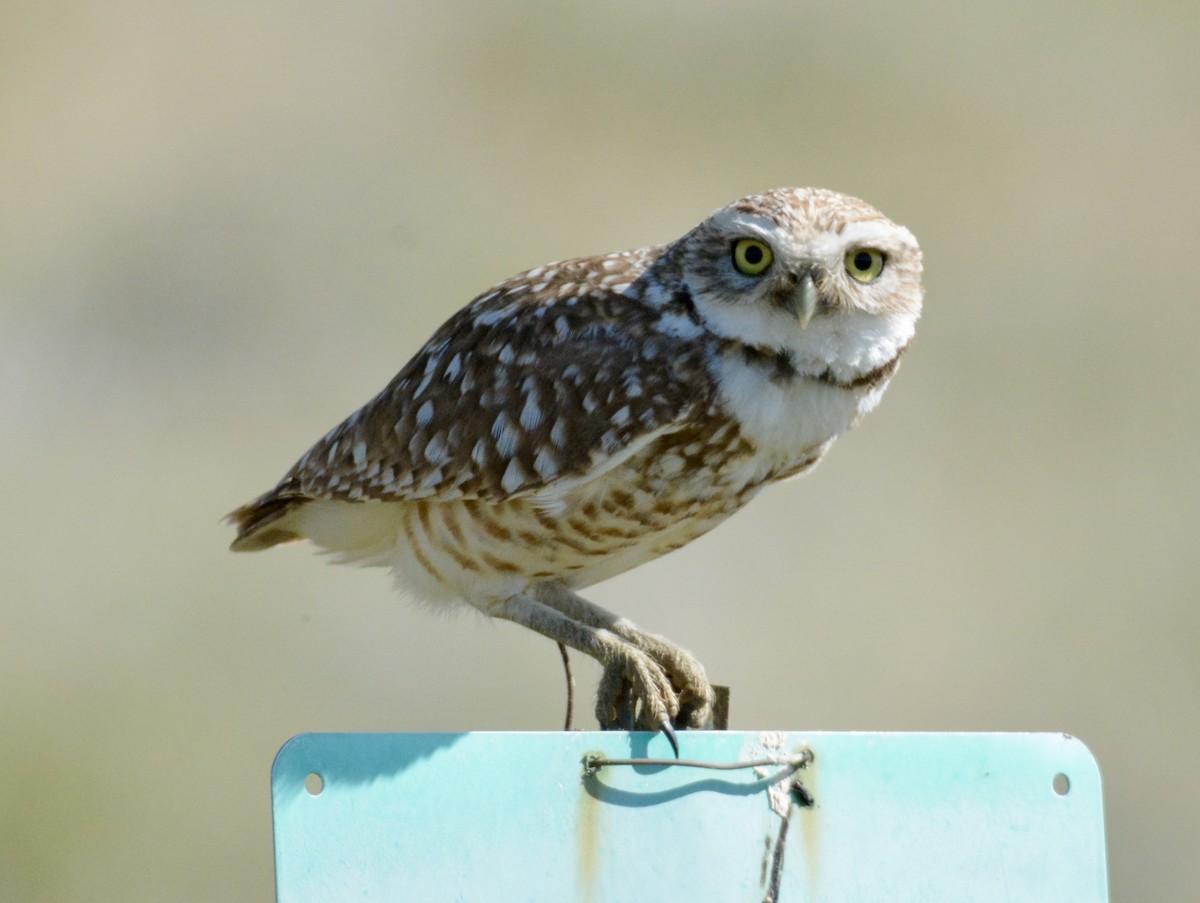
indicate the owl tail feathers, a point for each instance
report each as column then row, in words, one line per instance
column 258, row 522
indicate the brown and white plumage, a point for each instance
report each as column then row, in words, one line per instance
column 590, row 415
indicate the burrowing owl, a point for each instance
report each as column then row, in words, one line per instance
column 589, row 415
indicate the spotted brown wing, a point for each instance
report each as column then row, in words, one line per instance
column 551, row 376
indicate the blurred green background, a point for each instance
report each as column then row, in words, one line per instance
column 225, row 226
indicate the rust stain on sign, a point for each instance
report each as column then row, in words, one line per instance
column 587, row 836
column 804, row 792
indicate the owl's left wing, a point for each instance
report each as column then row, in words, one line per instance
column 551, row 377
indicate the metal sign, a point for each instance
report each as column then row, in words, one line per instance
column 790, row 817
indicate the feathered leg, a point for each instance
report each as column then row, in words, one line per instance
column 695, row 694
column 630, row 666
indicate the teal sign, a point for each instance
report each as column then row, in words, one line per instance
column 564, row 816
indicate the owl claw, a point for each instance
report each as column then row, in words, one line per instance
column 665, row 727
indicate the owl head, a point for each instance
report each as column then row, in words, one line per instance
column 821, row 275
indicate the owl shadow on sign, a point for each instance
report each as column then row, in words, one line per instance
column 386, row 756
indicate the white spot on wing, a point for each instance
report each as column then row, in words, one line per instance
column 514, row 476
column 432, row 479
column 558, row 433
column 544, row 465
column 479, row 453
column 492, row 317
column 430, row 366
column 436, row 452
column 425, row 413
column 531, row 414
column 505, row 435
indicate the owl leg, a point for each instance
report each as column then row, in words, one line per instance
column 637, row 670
column 687, row 675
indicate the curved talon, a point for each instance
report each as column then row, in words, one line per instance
column 665, row 727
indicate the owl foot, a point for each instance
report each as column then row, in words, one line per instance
column 692, row 694
column 635, row 692
column 647, row 683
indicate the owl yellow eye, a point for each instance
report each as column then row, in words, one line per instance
column 864, row 264
column 751, row 257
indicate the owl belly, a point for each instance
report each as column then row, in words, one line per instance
column 482, row 551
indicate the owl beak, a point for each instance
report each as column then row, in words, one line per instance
column 806, row 295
